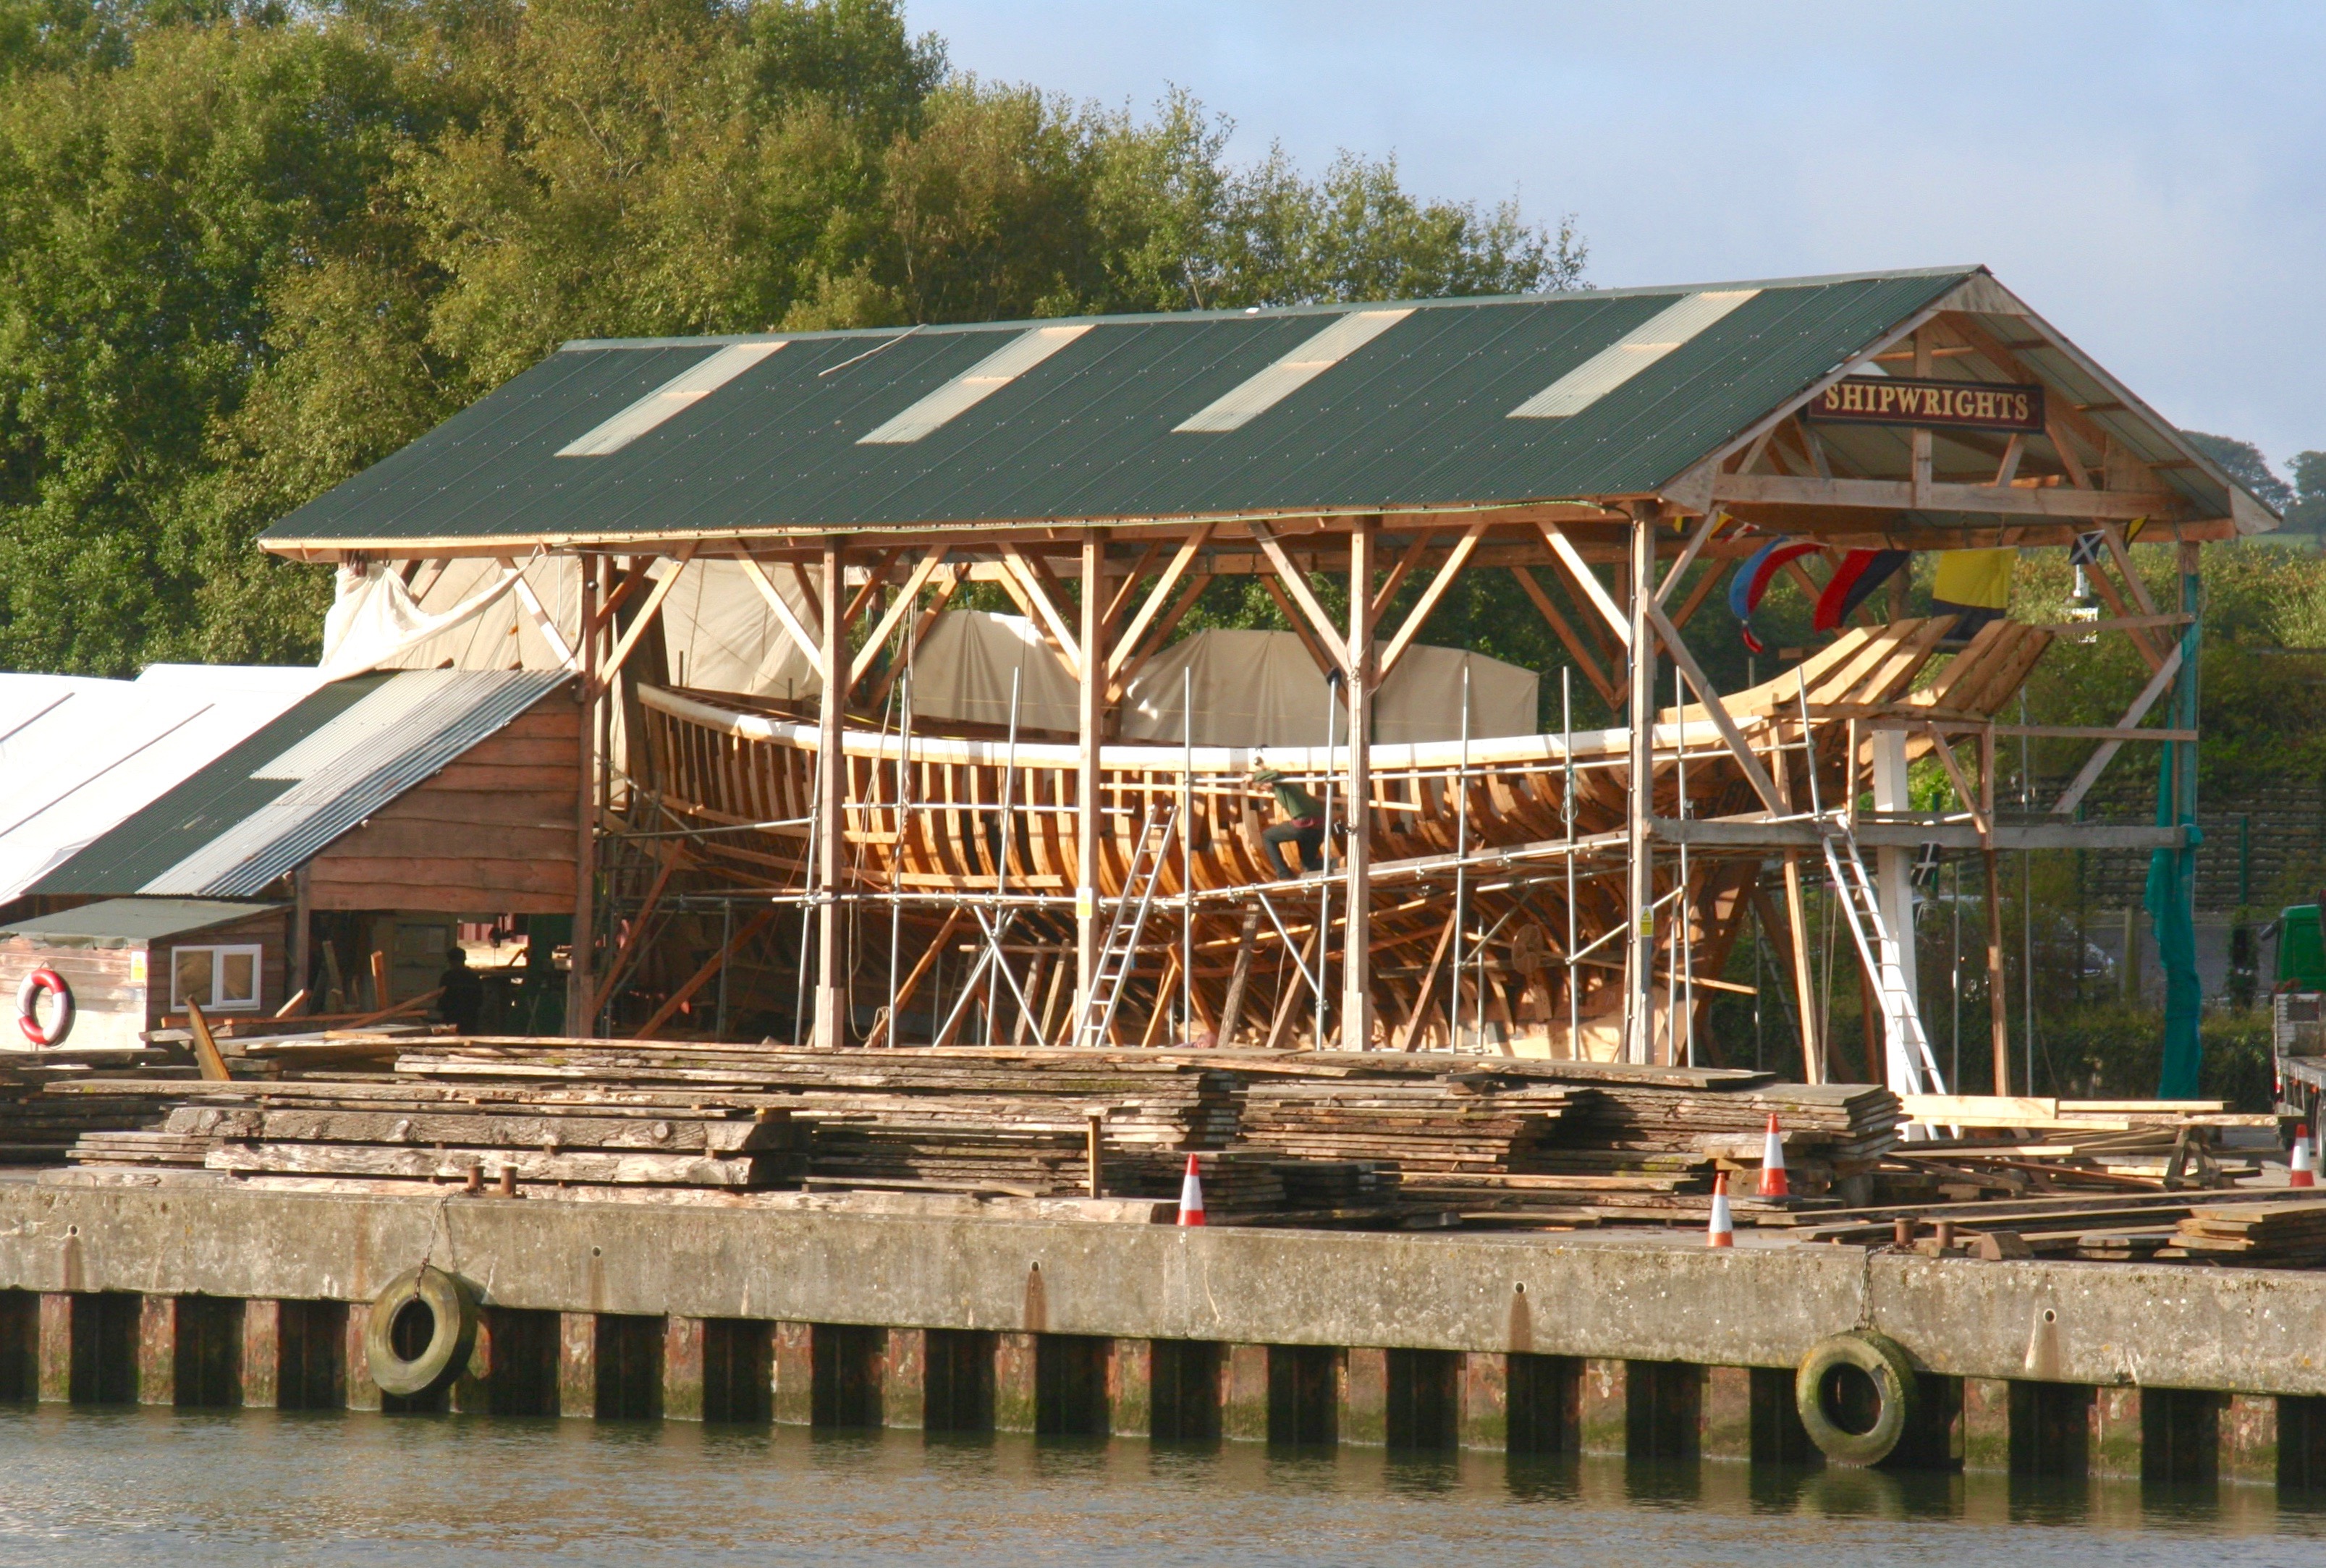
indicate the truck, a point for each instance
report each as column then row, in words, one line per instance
column 2298, row 1012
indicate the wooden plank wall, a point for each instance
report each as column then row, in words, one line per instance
column 493, row 834
column 271, row 932
column 111, row 1006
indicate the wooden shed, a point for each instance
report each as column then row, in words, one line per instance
column 385, row 810
column 128, row 961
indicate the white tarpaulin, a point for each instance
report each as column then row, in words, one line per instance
column 374, row 622
column 1252, row 688
column 720, row 634
column 963, row 668
column 79, row 757
column 1262, row 689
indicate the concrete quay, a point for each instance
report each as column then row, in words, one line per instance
column 1642, row 1342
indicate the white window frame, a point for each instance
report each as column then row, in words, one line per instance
column 219, row 955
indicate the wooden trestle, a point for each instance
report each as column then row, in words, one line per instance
column 937, row 823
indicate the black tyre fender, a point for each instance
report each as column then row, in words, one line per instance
column 450, row 1310
column 1896, row 1392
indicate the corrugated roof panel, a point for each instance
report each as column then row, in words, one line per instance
column 351, row 766
column 79, row 757
column 681, row 392
column 203, row 803
column 973, row 386
column 1629, row 355
column 1254, row 396
column 376, row 721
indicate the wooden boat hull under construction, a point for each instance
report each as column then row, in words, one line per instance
column 968, row 846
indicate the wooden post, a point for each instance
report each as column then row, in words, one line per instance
column 1089, row 710
column 1997, row 1006
column 1639, row 975
column 1356, row 981
column 1239, row 976
column 1797, row 932
column 301, row 954
column 832, row 765
column 580, row 987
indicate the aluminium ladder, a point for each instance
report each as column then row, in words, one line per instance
column 1121, row 944
column 1878, row 945
column 1878, row 950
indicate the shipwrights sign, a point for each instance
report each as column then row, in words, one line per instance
column 1897, row 400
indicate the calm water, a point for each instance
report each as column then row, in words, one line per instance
column 150, row 1488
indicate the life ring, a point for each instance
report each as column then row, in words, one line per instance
column 421, row 1332
column 1829, row 1392
column 28, row 1006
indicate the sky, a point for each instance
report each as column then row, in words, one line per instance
column 2151, row 178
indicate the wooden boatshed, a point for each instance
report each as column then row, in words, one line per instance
column 1618, row 451
column 129, row 962
column 382, row 811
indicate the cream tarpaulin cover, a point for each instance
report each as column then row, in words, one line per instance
column 1252, row 687
column 1261, row 688
column 720, row 634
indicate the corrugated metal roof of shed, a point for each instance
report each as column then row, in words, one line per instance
column 1419, row 416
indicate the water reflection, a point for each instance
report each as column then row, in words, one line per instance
column 146, row 1487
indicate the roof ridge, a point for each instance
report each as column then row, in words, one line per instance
column 1325, row 307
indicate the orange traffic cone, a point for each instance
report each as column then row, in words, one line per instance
column 1773, row 1182
column 1191, row 1195
column 1722, row 1231
column 2304, row 1173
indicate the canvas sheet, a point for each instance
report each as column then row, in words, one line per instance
column 1251, row 688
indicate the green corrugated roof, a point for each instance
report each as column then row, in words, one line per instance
column 216, row 798
column 1419, row 416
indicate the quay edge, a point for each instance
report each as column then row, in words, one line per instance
column 1630, row 1296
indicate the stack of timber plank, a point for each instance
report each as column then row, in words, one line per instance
column 377, row 1130
column 1145, row 1100
column 2285, row 1234
column 46, row 1106
column 1838, row 1123
column 1009, row 1123
column 1428, row 1128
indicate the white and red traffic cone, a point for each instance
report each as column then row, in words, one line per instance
column 1773, row 1181
column 1191, row 1195
column 1722, row 1231
column 2303, row 1173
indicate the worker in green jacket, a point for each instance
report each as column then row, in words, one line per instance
column 1303, row 824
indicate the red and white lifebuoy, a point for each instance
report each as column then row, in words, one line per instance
column 28, row 1007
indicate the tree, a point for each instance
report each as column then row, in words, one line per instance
column 2308, row 514
column 2242, row 462
column 247, row 249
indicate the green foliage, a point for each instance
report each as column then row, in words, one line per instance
column 2308, row 514
column 246, row 249
column 2242, row 462
column 2110, row 1052
column 2263, row 713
